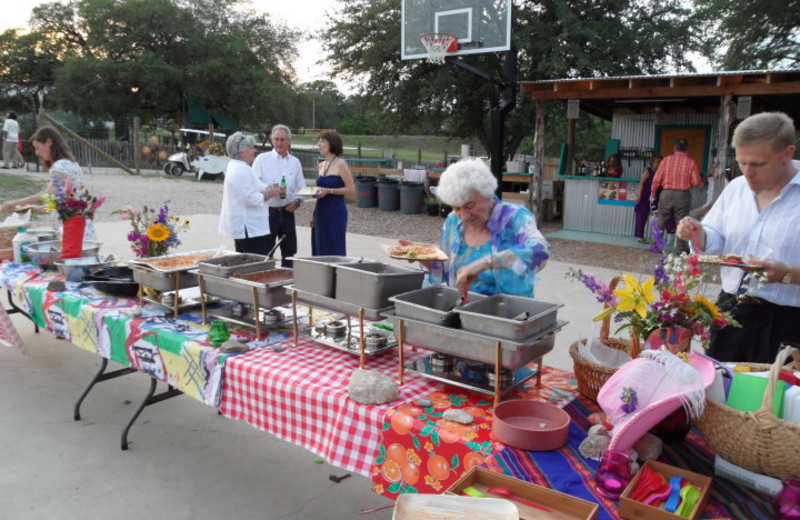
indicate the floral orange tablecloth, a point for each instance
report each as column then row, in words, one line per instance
column 422, row 453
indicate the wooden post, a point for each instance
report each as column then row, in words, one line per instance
column 83, row 141
column 137, row 146
column 538, row 161
column 445, row 159
column 359, row 149
column 419, row 155
column 571, row 147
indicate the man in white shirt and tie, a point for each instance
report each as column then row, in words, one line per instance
column 271, row 167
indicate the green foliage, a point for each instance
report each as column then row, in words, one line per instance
column 118, row 58
column 750, row 34
column 555, row 38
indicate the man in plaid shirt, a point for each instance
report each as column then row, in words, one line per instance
column 677, row 174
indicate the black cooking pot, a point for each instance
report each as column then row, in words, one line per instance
column 116, row 281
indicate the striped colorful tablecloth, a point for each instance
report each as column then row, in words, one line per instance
column 300, row 395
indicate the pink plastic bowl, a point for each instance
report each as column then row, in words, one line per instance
column 530, row 425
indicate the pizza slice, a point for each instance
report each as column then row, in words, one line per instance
column 412, row 251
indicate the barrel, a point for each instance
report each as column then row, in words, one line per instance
column 411, row 197
column 366, row 192
column 388, row 198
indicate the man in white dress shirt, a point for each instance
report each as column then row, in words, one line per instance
column 758, row 217
column 271, row 167
column 10, row 140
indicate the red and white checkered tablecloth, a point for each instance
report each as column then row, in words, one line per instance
column 300, row 396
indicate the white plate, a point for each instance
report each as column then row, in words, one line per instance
column 308, row 191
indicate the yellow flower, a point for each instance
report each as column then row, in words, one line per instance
column 157, row 232
column 635, row 296
column 710, row 306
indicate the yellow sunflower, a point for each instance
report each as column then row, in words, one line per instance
column 157, row 232
column 710, row 306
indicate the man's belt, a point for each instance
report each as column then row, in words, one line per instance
column 277, row 210
column 745, row 299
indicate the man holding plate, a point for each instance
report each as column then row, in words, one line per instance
column 758, row 217
column 279, row 168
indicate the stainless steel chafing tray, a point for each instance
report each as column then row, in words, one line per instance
column 272, row 294
column 511, row 317
column 232, row 263
column 317, row 274
column 371, row 284
column 435, row 305
column 337, row 305
column 165, row 279
column 478, row 347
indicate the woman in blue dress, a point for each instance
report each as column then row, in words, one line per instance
column 329, row 223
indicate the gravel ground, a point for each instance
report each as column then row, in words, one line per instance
column 188, row 197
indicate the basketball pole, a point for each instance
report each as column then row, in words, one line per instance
column 508, row 100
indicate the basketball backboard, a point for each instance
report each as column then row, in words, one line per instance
column 479, row 25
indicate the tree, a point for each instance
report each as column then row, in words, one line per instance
column 144, row 57
column 555, row 38
column 27, row 66
column 751, row 34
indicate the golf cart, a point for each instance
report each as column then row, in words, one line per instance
column 203, row 165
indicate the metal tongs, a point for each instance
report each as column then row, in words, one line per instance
column 275, row 247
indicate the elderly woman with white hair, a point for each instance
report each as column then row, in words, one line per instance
column 244, row 216
column 493, row 247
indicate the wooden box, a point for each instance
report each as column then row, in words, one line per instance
column 563, row 506
column 633, row 510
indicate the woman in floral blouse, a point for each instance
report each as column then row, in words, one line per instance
column 493, row 247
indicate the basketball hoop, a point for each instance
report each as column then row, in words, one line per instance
column 438, row 45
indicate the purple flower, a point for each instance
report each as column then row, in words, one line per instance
column 629, row 400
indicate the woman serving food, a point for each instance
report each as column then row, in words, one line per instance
column 492, row 246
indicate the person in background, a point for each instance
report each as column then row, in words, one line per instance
column 10, row 139
column 244, row 216
column 677, row 174
column 20, row 160
column 271, row 167
column 757, row 216
column 329, row 223
column 58, row 161
column 493, row 247
column 642, row 208
column 614, row 166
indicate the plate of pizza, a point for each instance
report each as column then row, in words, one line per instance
column 728, row 260
column 413, row 251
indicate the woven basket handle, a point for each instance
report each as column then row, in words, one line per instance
column 606, row 326
column 783, row 356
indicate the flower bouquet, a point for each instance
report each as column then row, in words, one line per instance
column 154, row 232
column 668, row 308
column 73, row 206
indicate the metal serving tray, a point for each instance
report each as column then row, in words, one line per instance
column 231, row 263
column 478, row 347
column 371, row 284
column 237, row 289
column 352, row 343
column 144, row 261
column 423, row 367
column 336, row 305
column 317, row 274
column 435, row 305
column 495, row 315
column 162, row 280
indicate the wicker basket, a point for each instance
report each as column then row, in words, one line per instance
column 7, row 236
column 592, row 376
column 757, row 441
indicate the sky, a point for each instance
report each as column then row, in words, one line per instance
column 307, row 15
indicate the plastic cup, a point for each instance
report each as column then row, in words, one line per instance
column 613, row 473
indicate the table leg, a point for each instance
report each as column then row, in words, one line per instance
column 361, row 339
column 201, row 283
column 400, row 352
column 255, row 313
column 98, row 377
column 539, row 373
column 497, row 369
column 151, row 398
column 15, row 309
column 177, row 285
column 294, row 315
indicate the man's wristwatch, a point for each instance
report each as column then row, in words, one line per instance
column 787, row 278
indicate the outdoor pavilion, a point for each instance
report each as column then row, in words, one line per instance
column 647, row 113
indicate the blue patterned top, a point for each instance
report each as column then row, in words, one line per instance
column 513, row 228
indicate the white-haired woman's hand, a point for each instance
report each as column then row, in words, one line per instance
column 469, row 273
